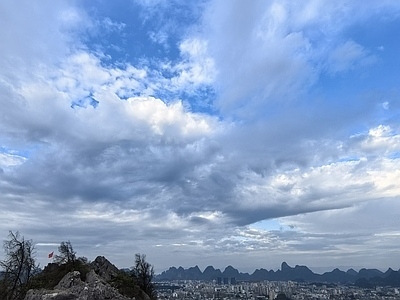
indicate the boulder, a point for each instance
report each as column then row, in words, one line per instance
column 70, row 280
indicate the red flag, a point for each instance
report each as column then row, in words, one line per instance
column 51, row 254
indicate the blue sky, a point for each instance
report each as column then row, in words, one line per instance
column 240, row 133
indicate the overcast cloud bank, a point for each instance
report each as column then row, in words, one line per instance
column 216, row 133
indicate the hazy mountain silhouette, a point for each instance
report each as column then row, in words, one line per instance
column 365, row 277
column 210, row 273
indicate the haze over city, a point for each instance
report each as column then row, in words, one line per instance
column 241, row 133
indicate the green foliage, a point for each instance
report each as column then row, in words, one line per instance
column 18, row 267
column 143, row 272
column 64, row 263
column 66, row 254
column 53, row 273
column 20, row 272
column 126, row 285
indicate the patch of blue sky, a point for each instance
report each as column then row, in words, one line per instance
column 379, row 71
column 363, row 103
column 198, row 100
column 202, row 101
column 270, row 225
column 394, row 155
column 148, row 37
column 377, row 35
column 22, row 151
column 145, row 35
column 125, row 94
column 85, row 102
column 345, row 85
column 4, row 150
column 349, row 159
column 394, row 118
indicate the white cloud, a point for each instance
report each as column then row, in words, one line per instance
column 347, row 57
column 196, row 69
column 142, row 170
column 356, row 229
column 381, row 140
column 169, row 120
column 7, row 159
column 336, row 185
column 111, row 25
column 275, row 51
column 160, row 37
column 47, row 244
column 38, row 38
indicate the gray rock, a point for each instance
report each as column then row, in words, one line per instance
column 104, row 268
column 95, row 287
column 70, row 280
column 72, row 288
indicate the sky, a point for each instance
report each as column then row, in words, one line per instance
column 243, row 133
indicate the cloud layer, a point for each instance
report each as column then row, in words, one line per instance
column 245, row 134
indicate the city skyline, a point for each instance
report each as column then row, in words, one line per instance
column 243, row 133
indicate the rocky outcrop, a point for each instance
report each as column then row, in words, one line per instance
column 71, row 287
column 104, row 268
column 70, row 280
column 95, row 286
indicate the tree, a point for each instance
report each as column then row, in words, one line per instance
column 67, row 254
column 18, row 266
column 144, row 274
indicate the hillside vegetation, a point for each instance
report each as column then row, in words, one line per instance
column 70, row 276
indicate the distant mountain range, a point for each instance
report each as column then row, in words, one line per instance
column 364, row 278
